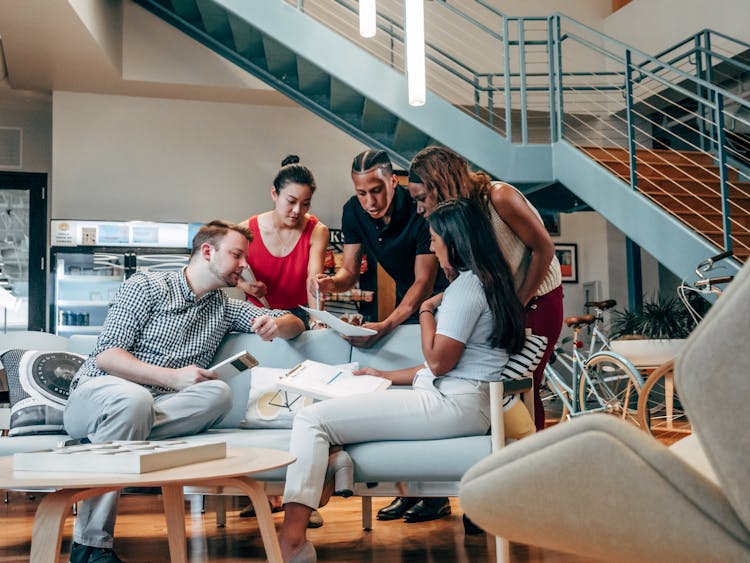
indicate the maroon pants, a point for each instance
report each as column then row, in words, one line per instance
column 544, row 316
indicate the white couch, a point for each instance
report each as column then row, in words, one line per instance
column 416, row 468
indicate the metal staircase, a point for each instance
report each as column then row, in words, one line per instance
column 534, row 101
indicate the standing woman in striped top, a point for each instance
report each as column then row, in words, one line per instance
column 438, row 174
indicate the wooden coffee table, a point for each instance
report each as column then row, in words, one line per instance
column 231, row 471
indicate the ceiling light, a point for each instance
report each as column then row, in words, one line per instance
column 367, row 18
column 415, row 64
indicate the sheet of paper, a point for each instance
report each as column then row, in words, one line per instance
column 324, row 381
column 338, row 325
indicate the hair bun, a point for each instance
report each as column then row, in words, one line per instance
column 290, row 159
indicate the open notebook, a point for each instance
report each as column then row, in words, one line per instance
column 324, row 381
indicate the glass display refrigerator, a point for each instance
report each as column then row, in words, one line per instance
column 91, row 259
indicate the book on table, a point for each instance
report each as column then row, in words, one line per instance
column 119, row 456
column 324, row 381
column 235, row 364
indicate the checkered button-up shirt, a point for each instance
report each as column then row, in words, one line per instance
column 156, row 317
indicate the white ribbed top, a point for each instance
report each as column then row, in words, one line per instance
column 518, row 255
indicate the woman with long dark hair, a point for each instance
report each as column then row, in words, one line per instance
column 438, row 174
column 467, row 334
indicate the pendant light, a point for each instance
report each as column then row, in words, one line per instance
column 367, row 18
column 415, row 62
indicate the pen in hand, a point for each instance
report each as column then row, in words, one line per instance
column 334, row 377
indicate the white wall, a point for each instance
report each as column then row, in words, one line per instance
column 122, row 158
column 31, row 112
column 653, row 26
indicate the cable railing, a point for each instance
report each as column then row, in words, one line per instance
column 675, row 126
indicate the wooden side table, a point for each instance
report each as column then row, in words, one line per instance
column 71, row 487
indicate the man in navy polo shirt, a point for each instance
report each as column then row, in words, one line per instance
column 382, row 220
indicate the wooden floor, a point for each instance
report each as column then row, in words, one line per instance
column 141, row 536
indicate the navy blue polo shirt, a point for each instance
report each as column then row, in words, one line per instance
column 394, row 245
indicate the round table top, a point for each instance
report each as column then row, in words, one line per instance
column 239, row 461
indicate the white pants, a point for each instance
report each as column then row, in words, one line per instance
column 434, row 408
column 111, row 408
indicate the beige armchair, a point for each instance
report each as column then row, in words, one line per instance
column 601, row 488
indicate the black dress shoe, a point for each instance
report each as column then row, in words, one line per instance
column 428, row 509
column 397, row 508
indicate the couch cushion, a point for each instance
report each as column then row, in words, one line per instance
column 417, row 460
column 321, row 345
column 39, row 383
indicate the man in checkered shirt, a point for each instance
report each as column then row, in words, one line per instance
column 147, row 377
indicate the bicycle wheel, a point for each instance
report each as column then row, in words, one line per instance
column 610, row 384
column 660, row 411
column 554, row 408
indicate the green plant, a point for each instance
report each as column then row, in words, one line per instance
column 661, row 317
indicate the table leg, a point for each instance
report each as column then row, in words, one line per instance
column 46, row 537
column 174, row 510
column 262, row 513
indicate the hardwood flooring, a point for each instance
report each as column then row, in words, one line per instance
column 141, row 536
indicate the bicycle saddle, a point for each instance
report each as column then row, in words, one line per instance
column 575, row 322
column 603, row 305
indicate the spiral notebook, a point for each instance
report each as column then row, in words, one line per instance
column 324, row 381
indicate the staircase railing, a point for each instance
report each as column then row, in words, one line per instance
column 673, row 132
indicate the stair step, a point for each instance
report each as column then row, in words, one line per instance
column 313, row 81
column 188, row 10
column 700, row 204
column 656, row 170
column 280, row 61
column 215, row 22
column 649, row 155
column 378, row 120
column 248, row 40
column 694, row 187
column 345, row 100
column 408, row 139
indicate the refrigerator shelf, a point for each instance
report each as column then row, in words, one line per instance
column 82, row 303
column 79, row 328
column 88, row 279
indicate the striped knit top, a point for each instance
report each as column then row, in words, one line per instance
column 518, row 255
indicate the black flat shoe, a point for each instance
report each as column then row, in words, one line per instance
column 470, row 528
column 397, row 508
column 428, row 509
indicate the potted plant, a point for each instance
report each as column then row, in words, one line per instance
column 652, row 334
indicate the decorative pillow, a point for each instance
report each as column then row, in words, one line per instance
column 523, row 363
column 269, row 407
column 39, row 383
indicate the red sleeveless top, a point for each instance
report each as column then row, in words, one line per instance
column 285, row 277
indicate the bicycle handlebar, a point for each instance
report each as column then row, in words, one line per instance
column 708, row 282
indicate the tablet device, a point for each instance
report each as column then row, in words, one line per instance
column 337, row 324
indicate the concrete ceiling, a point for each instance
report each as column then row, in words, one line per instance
column 113, row 47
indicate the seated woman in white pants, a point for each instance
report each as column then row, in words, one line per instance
column 467, row 334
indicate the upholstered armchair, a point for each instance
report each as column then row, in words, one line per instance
column 599, row 487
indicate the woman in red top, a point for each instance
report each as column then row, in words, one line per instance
column 289, row 243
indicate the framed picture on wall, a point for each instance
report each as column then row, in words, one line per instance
column 567, row 255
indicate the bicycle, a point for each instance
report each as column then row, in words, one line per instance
column 660, row 411
column 603, row 381
column 563, row 361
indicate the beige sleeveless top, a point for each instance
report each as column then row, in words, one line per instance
column 518, row 255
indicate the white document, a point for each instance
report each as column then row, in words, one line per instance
column 338, row 325
column 226, row 369
column 324, row 381
column 249, row 276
